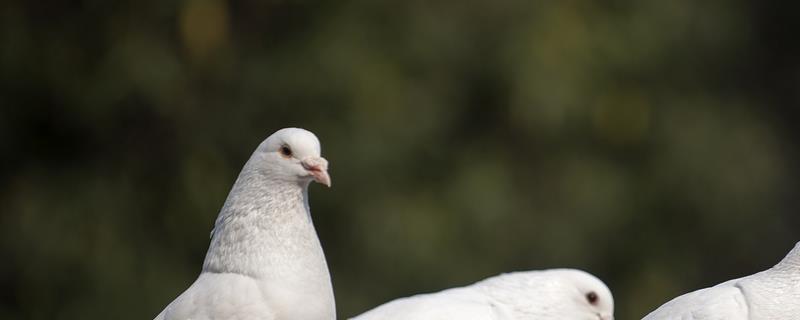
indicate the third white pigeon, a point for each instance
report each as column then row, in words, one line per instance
column 773, row 294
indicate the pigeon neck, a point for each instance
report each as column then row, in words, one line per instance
column 507, row 293
column 263, row 222
column 792, row 260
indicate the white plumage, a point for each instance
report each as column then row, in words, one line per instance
column 773, row 294
column 557, row 294
column 265, row 260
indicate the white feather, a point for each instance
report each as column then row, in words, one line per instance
column 544, row 295
column 265, row 260
column 773, row 294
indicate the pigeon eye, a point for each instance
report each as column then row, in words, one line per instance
column 591, row 297
column 286, row 151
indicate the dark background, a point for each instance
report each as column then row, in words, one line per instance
column 649, row 142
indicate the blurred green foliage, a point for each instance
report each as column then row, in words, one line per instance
column 649, row 142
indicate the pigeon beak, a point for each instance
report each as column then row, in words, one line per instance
column 317, row 167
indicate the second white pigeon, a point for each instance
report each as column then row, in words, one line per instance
column 773, row 294
column 265, row 261
column 556, row 294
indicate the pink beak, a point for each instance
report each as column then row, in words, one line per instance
column 318, row 168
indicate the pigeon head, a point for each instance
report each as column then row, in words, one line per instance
column 590, row 295
column 293, row 155
column 554, row 294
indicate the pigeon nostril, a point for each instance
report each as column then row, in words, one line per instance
column 317, row 168
column 315, row 164
column 311, row 168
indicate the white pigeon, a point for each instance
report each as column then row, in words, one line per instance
column 773, row 294
column 265, row 261
column 556, row 294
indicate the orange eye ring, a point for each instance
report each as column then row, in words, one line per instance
column 286, row 151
